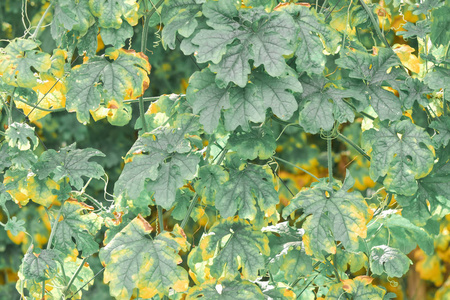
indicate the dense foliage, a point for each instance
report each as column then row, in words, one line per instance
column 194, row 195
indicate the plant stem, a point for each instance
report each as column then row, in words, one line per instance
column 375, row 24
column 330, row 161
column 41, row 108
column 38, row 26
column 295, row 166
column 356, row 147
column 43, row 289
column 361, row 112
column 55, row 225
column 75, row 274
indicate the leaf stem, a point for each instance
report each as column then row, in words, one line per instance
column 55, row 225
column 375, row 24
column 356, row 147
column 295, row 166
column 75, row 274
column 160, row 218
column 330, row 161
column 361, row 112
column 38, row 26
column 98, row 273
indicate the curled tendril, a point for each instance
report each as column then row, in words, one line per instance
column 330, row 135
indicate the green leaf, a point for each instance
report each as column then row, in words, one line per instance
column 39, row 267
column 133, row 259
column 419, row 29
column 389, row 260
column 170, row 178
column 414, row 90
column 274, row 92
column 323, row 105
column 207, row 99
column 440, row 25
column 126, row 77
column 247, row 190
column 432, row 195
column 334, row 216
column 15, row 226
column 19, row 135
column 71, row 163
column 233, row 67
column 402, row 152
column 117, row 37
column 291, row 263
column 259, row 142
column 442, row 125
column 438, row 79
column 71, row 15
column 77, row 229
column 111, row 12
column 397, row 232
column 226, row 290
column 179, row 16
column 245, row 108
column 18, row 61
column 233, row 244
column 213, row 44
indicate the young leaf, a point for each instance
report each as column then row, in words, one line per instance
column 133, row 259
column 258, row 142
column 237, row 245
column 389, row 260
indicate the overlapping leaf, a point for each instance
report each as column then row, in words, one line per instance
column 359, row 288
column 397, row 232
column 179, row 16
column 373, row 69
column 433, row 193
column 402, row 152
column 125, row 77
column 133, row 259
column 71, row 15
column 21, row 135
column 232, row 243
column 40, row 266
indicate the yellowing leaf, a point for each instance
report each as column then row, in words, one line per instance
column 133, row 259
column 18, row 60
column 40, row 191
column 409, row 60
